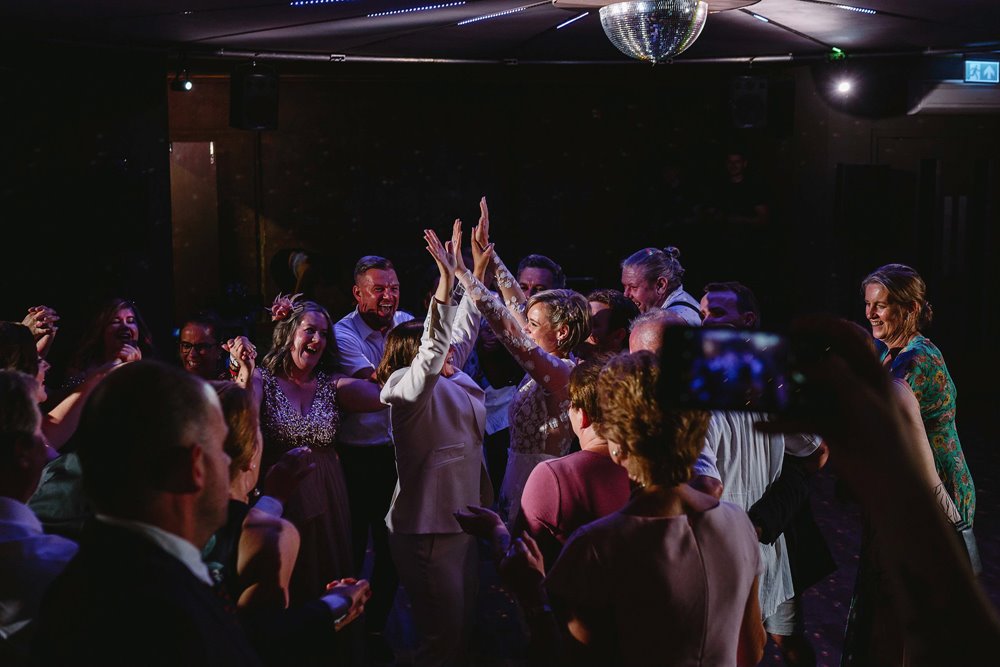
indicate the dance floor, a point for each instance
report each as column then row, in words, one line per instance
column 499, row 639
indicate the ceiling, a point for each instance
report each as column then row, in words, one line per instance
column 524, row 31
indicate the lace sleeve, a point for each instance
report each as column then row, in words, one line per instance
column 548, row 370
column 513, row 296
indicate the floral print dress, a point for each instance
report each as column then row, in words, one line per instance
column 920, row 363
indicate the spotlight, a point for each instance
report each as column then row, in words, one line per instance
column 181, row 82
column 844, row 86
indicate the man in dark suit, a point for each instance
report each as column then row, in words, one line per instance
column 138, row 592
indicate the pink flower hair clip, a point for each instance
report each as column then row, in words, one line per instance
column 283, row 306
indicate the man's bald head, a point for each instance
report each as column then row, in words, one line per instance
column 647, row 330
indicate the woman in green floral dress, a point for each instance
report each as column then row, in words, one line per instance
column 897, row 309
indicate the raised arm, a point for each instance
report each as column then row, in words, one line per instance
column 61, row 421
column 41, row 321
column 547, row 369
column 243, row 366
column 466, row 328
column 513, row 296
column 421, row 376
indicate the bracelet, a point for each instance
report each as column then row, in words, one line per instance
column 234, row 368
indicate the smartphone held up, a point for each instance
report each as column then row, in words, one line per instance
column 729, row 369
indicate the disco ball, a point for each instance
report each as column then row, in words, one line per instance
column 654, row 30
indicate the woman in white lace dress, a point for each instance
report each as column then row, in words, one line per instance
column 540, row 333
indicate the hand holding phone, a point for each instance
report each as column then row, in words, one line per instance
column 728, row 369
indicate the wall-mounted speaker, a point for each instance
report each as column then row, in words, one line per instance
column 748, row 101
column 253, row 97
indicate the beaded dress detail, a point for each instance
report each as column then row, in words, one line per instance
column 285, row 428
column 318, row 507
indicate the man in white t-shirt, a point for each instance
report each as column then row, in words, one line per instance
column 746, row 463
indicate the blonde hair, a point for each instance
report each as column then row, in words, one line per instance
column 654, row 263
column 906, row 288
column 565, row 307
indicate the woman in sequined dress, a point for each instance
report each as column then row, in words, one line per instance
column 540, row 333
column 301, row 399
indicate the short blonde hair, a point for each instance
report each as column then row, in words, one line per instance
column 663, row 443
column 565, row 307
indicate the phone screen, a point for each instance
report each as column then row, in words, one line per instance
column 727, row 369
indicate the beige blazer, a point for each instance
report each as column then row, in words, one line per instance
column 437, row 426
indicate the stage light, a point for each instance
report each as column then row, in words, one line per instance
column 181, row 82
column 844, row 86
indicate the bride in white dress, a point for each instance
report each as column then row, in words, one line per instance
column 540, row 333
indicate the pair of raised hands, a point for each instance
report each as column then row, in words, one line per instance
column 448, row 256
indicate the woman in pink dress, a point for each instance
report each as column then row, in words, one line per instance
column 671, row 579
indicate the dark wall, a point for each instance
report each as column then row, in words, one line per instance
column 85, row 199
column 571, row 159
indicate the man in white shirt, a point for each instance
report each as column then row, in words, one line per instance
column 365, row 439
column 29, row 559
column 746, row 463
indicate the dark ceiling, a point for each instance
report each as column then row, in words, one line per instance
column 530, row 32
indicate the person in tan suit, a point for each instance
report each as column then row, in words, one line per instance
column 438, row 417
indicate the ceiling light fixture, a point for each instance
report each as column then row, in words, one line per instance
column 494, row 15
column 860, row 10
column 303, row 3
column 654, row 30
column 425, row 8
column 572, row 20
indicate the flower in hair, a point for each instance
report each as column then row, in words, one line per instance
column 283, row 306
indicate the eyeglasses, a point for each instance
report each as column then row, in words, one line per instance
column 200, row 348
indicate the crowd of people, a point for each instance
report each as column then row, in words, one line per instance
column 219, row 510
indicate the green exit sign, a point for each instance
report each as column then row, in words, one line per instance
column 982, row 71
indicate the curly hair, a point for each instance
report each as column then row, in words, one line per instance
column 565, row 307
column 278, row 360
column 905, row 287
column 662, row 444
column 654, row 263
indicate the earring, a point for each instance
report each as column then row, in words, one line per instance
column 616, row 452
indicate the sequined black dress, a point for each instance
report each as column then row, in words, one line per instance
column 318, row 508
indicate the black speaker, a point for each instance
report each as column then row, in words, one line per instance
column 748, row 101
column 253, row 98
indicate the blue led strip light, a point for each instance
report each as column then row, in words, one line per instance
column 303, row 3
column 415, row 9
column 494, row 15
